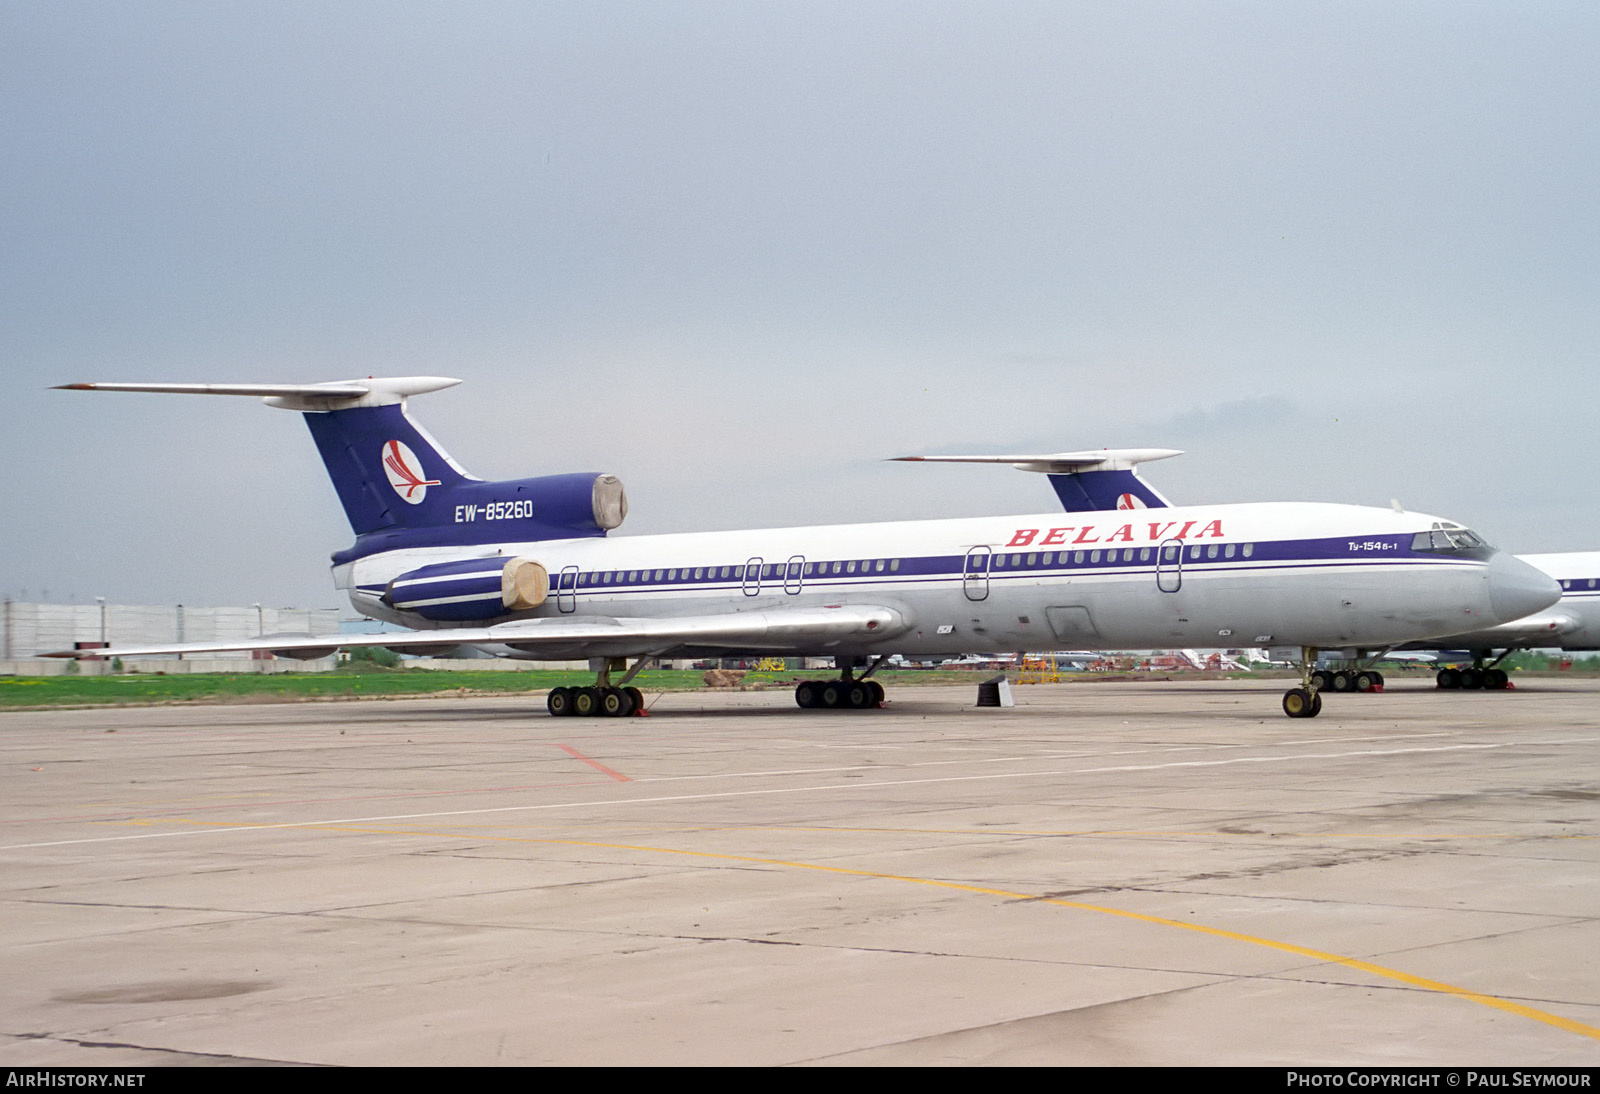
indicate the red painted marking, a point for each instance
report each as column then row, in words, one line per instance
column 397, row 464
column 596, row 764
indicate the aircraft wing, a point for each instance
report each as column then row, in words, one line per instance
column 559, row 638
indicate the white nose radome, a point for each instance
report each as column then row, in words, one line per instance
column 1517, row 589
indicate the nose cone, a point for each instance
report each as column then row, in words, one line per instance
column 1517, row 589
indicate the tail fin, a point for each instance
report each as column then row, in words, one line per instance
column 386, row 469
column 399, row 488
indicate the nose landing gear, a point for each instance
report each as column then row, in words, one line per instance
column 1305, row 701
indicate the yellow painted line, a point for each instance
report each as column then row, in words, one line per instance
column 1357, row 964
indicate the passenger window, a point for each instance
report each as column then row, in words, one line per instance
column 1094, row 556
column 880, row 566
column 1077, row 557
column 1144, row 554
column 1211, row 551
column 894, row 565
column 1249, row 549
column 1227, row 552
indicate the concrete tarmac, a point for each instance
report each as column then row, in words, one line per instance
column 1117, row 873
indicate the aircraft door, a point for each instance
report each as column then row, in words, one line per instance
column 1169, row 566
column 752, row 577
column 567, row 590
column 793, row 573
column 975, row 574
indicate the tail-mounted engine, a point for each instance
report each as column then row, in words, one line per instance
column 476, row 588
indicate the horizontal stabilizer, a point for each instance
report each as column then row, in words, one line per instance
column 338, row 395
column 1094, row 481
column 1063, row 463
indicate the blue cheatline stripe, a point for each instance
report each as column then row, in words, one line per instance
column 1323, row 552
column 933, row 570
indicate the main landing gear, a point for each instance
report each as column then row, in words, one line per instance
column 845, row 693
column 603, row 700
column 1347, row 680
column 1479, row 676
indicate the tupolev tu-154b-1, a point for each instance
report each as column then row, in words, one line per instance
column 1471, row 658
column 527, row 568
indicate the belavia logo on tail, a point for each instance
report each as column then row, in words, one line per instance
column 405, row 472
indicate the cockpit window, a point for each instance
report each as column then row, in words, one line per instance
column 1452, row 540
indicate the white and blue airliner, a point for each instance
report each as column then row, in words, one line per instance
column 1109, row 481
column 528, row 568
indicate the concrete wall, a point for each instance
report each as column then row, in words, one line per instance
column 171, row 666
column 28, row 629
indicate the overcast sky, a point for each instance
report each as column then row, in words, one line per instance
column 737, row 253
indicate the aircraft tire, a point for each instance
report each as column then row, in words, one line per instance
column 831, row 697
column 586, row 702
column 877, row 693
column 637, row 696
column 807, row 694
column 559, row 702
column 615, row 703
column 1300, row 703
column 1321, row 680
column 1496, row 679
column 1449, row 679
column 857, row 696
column 1365, row 681
column 1341, row 681
column 1471, row 679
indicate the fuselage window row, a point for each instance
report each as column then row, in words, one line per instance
column 932, row 566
